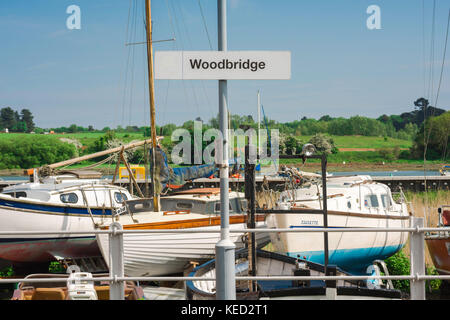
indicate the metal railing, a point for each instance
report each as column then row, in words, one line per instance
column 417, row 276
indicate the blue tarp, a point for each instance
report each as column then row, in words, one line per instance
column 177, row 177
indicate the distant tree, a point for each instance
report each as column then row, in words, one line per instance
column 433, row 137
column 27, row 118
column 72, row 128
column 325, row 118
column 167, row 129
column 8, row 118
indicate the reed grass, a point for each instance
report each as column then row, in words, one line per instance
column 425, row 205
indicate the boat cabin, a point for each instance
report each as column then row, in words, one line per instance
column 71, row 190
column 194, row 200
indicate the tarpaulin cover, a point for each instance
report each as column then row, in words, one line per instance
column 177, row 177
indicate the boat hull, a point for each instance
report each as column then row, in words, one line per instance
column 439, row 248
column 351, row 251
column 47, row 247
column 273, row 264
column 158, row 254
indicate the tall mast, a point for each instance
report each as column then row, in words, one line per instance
column 151, row 88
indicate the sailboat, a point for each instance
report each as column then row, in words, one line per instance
column 58, row 200
column 152, row 254
column 352, row 202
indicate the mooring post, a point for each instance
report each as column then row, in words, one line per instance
column 323, row 161
column 250, row 195
column 417, row 252
column 116, row 268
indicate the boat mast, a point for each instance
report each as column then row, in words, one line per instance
column 151, row 88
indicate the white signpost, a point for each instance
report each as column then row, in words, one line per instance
column 223, row 65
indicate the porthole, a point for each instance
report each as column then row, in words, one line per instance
column 120, row 197
column 69, row 198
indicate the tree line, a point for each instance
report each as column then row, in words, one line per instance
column 428, row 127
column 15, row 122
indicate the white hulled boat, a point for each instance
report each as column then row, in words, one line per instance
column 71, row 201
column 156, row 254
column 352, row 202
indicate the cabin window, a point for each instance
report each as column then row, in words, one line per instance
column 349, row 204
column 19, row 194
column 184, row 205
column 120, row 197
column 69, row 198
column 243, row 205
column 386, row 200
column 371, row 201
column 217, row 207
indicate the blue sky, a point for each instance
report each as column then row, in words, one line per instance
column 339, row 66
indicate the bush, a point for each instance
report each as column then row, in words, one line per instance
column 30, row 151
column 398, row 265
column 390, row 154
column 323, row 143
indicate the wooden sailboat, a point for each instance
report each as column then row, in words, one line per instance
column 151, row 254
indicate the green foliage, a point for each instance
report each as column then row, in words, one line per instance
column 290, row 144
column 435, row 284
column 390, row 154
column 28, row 151
column 6, row 272
column 101, row 143
column 397, row 265
column 11, row 120
column 435, row 133
column 323, row 144
column 56, row 267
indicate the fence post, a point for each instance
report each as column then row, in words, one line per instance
column 417, row 252
column 116, row 269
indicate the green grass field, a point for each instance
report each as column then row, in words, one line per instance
column 340, row 141
column 88, row 138
column 365, row 142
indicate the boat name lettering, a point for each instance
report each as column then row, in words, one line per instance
column 311, row 222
